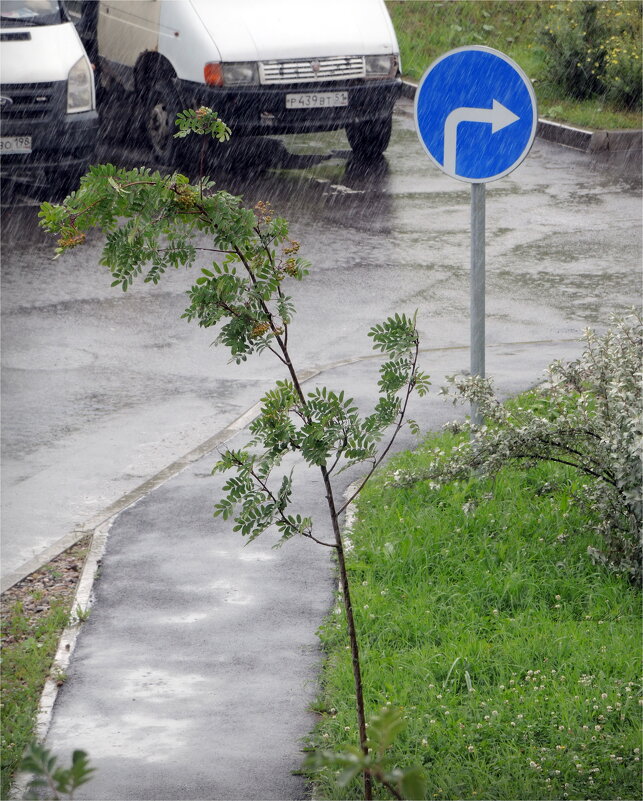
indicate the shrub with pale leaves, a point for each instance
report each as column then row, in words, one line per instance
column 587, row 415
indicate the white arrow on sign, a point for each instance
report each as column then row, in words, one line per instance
column 498, row 117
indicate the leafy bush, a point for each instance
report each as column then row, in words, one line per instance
column 587, row 416
column 593, row 49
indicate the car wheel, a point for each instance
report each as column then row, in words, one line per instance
column 161, row 108
column 369, row 140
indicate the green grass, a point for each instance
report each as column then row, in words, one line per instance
column 427, row 28
column 26, row 662
column 34, row 615
column 515, row 658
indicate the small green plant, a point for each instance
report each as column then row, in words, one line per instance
column 151, row 222
column 81, row 615
column 50, row 781
column 350, row 762
column 59, row 677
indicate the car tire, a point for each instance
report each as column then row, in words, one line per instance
column 161, row 107
column 369, row 140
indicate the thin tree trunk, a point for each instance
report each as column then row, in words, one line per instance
column 352, row 633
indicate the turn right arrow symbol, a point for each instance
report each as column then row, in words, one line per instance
column 498, row 117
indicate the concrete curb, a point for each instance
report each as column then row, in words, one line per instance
column 618, row 146
column 81, row 606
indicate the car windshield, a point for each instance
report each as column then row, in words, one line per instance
column 31, row 12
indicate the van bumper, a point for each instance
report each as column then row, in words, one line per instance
column 261, row 110
column 66, row 144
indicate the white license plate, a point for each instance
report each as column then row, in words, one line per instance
column 316, row 100
column 15, row 144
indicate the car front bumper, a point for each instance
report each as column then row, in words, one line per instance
column 258, row 110
column 58, row 140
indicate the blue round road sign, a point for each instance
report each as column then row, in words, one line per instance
column 475, row 113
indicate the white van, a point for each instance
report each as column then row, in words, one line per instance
column 48, row 119
column 266, row 66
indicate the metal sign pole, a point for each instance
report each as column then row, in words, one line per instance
column 476, row 117
column 477, row 288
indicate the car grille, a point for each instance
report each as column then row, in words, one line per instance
column 311, row 70
column 28, row 101
column 18, row 36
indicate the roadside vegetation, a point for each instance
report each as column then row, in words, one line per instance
column 514, row 657
column 583, row 58
column 497, row 576
column 34, row 615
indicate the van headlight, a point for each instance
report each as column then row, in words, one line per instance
column 80, row 87
column 239, row 73
column 384, row 66
column 231, row 73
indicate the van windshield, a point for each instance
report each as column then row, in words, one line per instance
column 31, row 12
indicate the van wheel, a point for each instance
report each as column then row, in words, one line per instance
column 161, row 109
column 368, row 140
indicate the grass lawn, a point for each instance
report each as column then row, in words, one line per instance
column 515, row 658
column 428, row 28
column 34, row 615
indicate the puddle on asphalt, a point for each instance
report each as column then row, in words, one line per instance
column 232, row 595
column 180, row 620
column 160, row 686
column 149, row 737
column 251, row 556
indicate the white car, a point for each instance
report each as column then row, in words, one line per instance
column 48, row 112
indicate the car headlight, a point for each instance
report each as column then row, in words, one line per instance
column 232, row 73
column 384, row 66
column 80, row 87
column 239, row 73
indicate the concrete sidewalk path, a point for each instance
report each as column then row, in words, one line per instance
column 194, row 674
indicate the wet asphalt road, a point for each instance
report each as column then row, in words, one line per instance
column 101, row 390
